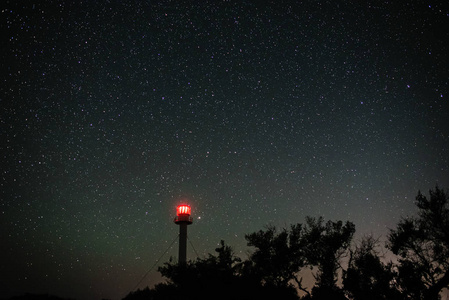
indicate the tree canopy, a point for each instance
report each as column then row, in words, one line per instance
column 367, row 277
column 277, row 256
column 422, row 244
column 325, row 244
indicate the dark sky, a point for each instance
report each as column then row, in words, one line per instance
column 253, row 112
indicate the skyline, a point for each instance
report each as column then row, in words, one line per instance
column 253, row 113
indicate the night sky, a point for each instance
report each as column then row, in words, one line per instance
column 253, row 112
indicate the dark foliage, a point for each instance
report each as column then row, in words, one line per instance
column 271, row 271
column 277, row 256
column 215, row 277
column 326, row 293
column 37, row 297
column 146, row 293
column 325, row 244
column 422, row 244
column 366, row 277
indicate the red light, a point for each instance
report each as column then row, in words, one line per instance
column 183, row 210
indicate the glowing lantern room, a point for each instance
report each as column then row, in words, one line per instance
column 182, row 210
column 183, row 214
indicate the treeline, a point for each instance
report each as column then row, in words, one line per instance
column 421, row 270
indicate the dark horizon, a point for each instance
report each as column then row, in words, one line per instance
column 361, row 266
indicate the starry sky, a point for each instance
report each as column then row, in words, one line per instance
column 253, row 112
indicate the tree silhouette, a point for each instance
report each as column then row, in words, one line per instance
column 325, row 244
column 271, row 269
column 277, row 256
column 145, row 293
column 422, row 271
column 215, row 277
column 366, row 277
column 422, row 244
column 203, row 278
column 29, row 296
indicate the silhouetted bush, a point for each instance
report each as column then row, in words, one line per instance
column 270, row 272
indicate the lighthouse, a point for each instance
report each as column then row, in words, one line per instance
column 183, row 219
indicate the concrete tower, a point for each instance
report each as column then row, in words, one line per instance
column 183, row 219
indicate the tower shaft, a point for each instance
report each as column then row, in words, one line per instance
column 182, row 256
column 183, row 219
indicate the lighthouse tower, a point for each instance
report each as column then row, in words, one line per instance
column 183, row 219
